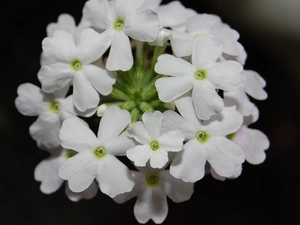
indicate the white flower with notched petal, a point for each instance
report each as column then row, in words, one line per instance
column 253, row 85
column 206, row 141
column 203, row 77
column 96, row 157
column 47, row 173
column 73, row 65
column 154, row 146
column 50, row 108
column 120, row 19
column 152, row 187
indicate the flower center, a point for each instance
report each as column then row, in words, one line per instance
column 154, row 145
column 119, row 24
column 152, row 179
column 76, row 65
column 70, row 153
column 54, row 107
column 231, row 136
column 100, row 152
column 202, row 136
column 200, row 74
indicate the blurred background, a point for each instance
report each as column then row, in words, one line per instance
column 264, row 194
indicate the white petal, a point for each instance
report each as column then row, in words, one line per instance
column 143, row 26
column 120, row 145
column 139, row 154
column 205, row 52
column 153, row 123
column 159, row 158
column 171, row 88
column 30, row 100
column 46, row 130
column 84, row 95
column 149, row 4
column 206, row 100
column 101, row 80
column 80, row 170
column 55, row 76
column 151, row 204
column 223, row 155
column 47, row 172
column 225, row 75
column 224, row 123
column 240, row 99
column 176, row 189
column 254, row 142
column 139, row 133
column 76, row 135
column 120, row 55
column 189, row 163
column 182, row 43
column 92, row 45
column 100, row 13
column 173, row 66
column 129, row 7
column 138, row 177
column 173, row 120
column 60, row 47
column 172, row 14
column 112, row 124
column 202, row 22
column 114, row 177
column 88, row 193
column 171, row 141
column 254, row 84
column 185, row 106
column 64, row 22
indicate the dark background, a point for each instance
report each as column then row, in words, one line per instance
column 263, row 194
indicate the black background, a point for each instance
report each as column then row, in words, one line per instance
column 263, row 194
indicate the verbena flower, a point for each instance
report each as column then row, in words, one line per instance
column 152, row 187
column 203, row 76
column 153, row 145
column 51, row 109
column 74, row 66
column 96, row 157
column 206, row 142
column 120, row 20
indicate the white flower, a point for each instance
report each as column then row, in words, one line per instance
column 206, row 141
column 67, row 23
column 96, row 157
column 47, row 173
column 50, row 108
column 152, row 187
column 73, row 66
column 253, row 85
column 154, row 146
column 203, row 76
column 120, row 19
column 172, row 15
column 212, row 26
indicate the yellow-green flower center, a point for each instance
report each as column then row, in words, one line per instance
column 76, row 64
column 70, row 153
column 200, row 74
column 119, row 24
column 231, row 136
column 152, row 179
column 154, row 145
column 202, row 136
column 54, row 107
column 100, row 152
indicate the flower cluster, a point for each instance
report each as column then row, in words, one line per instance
column 168, row 92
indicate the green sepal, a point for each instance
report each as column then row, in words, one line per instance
column 135, row 114
column 118, row 94
column 146, row 107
